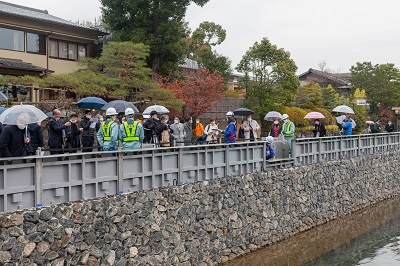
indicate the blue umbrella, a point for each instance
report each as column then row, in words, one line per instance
column 91, row 103
column 2, row 109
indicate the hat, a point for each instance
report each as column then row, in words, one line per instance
column 269, row 139
column 87, row 111
column 285, row 116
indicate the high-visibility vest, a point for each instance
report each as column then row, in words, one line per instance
column 286, row 128
column 106, row 128
column 130, row 130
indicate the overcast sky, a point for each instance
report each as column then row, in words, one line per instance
column 340, row 32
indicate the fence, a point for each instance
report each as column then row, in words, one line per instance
column 45, row 180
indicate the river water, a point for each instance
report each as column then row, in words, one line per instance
column 368, row 237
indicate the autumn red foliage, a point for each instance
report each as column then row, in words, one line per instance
column 200, row 90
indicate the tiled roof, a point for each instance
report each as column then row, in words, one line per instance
column 342, row 78
column 36, row 14
column 20, row 65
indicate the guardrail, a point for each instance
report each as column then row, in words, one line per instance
column 313, row 150
column 44, row 180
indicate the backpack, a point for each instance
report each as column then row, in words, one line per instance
column 375, row 128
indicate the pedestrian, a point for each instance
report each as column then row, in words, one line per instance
column 250, row 129
column 276, row 129
column 288, row 129
column 269, row 151
column 188, row 131
column 347, row 126
column 100, row 119
column 319, row 129
column 178, row 132
column 131, row 132
column 56, row 133
column 153, row 128
column 165, row 134
column 240, row 131
column 389, row 127
column 15, row 138
column 36, row 140
column 107, row 137
column 212, row 131
column 199, row 132
column 87, row 128
column 375, row 127
column 230, row 131
column 72, row 140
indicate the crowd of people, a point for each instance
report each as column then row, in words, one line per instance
column 115, row 131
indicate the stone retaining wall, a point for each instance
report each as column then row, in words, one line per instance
column 202, row 223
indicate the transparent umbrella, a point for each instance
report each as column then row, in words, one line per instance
column 314, row 115
column 271, row 116
column 343, row 109
column 158, row 108
column 29, row 113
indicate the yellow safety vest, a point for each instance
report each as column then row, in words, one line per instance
column 106, row 128
column 286, row 128
column 130, row 130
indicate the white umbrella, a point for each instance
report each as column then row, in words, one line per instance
column 271, row 116
column 340, row 119
column 30, row 114
column 314, row 115
column 158, row 108
column 343, row 109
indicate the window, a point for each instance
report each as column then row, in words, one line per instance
column 62, row 49
column 36, row 43
column 53, row 48
column 12, row 39
column 81, row 51
column 67, row 50
column 72, row 51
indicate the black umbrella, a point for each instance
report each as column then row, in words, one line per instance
column 243, row 111
column 120, row 106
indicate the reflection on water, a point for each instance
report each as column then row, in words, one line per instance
column 337, row 240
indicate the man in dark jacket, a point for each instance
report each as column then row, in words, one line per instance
column 35, row 131
column 13, row 139
column 87, row 132
column 72, row 135
column 55, row 133
column 153, row 128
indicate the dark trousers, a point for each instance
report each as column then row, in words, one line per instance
column 59, row 148
column 87, row 142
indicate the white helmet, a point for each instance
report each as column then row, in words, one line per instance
column 229, row 114
column 269, row 139
column 129, row 111
column 111, row 111
column 285, row 116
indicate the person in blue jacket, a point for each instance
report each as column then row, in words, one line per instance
column 269, row 151
column 347, row 126
column 230, row 130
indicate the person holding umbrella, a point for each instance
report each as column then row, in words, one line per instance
column 347, row 126
column 15, row 138
column 87, row 129
column 107, row 137
column 250, row 129
column 56, row 133
column 319, row 129
column 276, row 129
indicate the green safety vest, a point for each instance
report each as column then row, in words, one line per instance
column 286, row 128
column 130, row 130
column 106, row 128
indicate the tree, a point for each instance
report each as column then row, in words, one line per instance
column 158, row 24
column 360, row 110
column 381, row 83
column 330, row 98
column 309, row 96
column 270, row 76
column 199, row 48
column 199, row 90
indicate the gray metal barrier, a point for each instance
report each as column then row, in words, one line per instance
column 313, row 150
column 46, row 180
